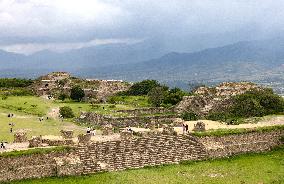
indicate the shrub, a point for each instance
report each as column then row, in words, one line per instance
column 156, row 96
column 66, row 112
column 77, row 93
column 143, row 87
column 62, row 96
column 112, row 106
column 189, row 116
column 174, row 96
column 255, row 103
column 10, row 83
column 5, row 97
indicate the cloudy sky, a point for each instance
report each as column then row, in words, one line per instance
column 27, row 26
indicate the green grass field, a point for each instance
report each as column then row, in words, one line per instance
column 246, row 169
column 28, row 109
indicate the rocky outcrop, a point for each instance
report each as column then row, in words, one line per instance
column 206, row 99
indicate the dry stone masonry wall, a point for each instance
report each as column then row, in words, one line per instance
column 135, row 121
column 140, row 152
column 133, row 152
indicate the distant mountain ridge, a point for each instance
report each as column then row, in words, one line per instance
column 261, row 61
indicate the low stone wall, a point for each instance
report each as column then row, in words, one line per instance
column 141, row 111
column 134, row 152
column 139, row 152
column 235, row 144
column 144, row 121
column 30, row 166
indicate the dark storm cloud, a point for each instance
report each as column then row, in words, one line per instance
column 178, row 23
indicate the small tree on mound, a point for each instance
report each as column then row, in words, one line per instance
column 156, row 96
column 66, row 112
column 77, row 93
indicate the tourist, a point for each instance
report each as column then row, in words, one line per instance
column 93, row 132
column 11, row 130
column 88, row 130
column 129, row 129
column 183, row 128
column 186, row 128
column 2, row 145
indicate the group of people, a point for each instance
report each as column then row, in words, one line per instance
column 185, row 128
column 41, row 119
column 91, row 131
column 2, row 145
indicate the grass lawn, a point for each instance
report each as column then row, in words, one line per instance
column 33, row 126
column 27, row 109
column 250, row 169
column 26, row 104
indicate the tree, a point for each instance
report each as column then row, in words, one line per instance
column 66, row 112
column 143, row 87
column 157, row 96
column 189, row 116
column 174, row 96
column 77, row 93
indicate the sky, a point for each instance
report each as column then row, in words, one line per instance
column 28, row 26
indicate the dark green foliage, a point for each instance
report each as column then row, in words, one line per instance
column 157, row 96
column 5, row 97
column 66, row 112
column 11, row 83
column 143, row 87
column 174, row 96
column 77, row 93
column 255, row 103
column 189, row 116
column 62, row 96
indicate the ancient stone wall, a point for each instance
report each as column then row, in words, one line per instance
column 142, row 121
column 235, row 144
column 29, row 166
column 134, row 152
column 143, row 111
column 139, row 152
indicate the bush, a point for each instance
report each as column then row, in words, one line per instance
column 174, row 96
column 62, row 96
column 143, row 87
column 255, row 103
column 112, row 106
column 77, row 93
column 189, row 116
column 5, row 97
column 10, row 83
column 156, row 96
column 66, row 112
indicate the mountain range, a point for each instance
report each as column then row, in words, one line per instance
column 261, row 61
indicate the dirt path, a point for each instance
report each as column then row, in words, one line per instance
column 267, row 121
